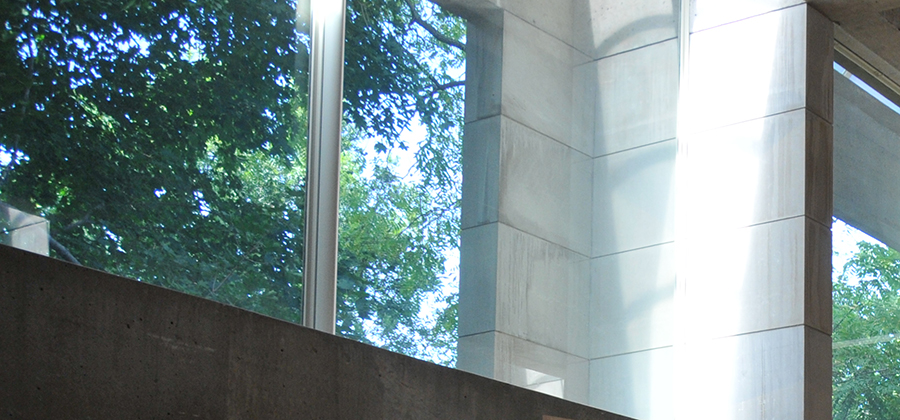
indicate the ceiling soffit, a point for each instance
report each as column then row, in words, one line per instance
column 867, row 40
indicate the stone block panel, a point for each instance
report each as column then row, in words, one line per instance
column 528, row 365
column 538, row 79
column 636, row 98
column 481, row 172
column 711, row 13
column 544, row 187
column 758, row 171
column 752, row 376
column 750, row 69
column 551, row 16
column 608, row 27
column 24, row 231
column 543, row 292
column 767, row 276
column 484, row 66
column 638, row 385
column 634, row 199
column 632, row 301
column 478, row 259
column 525, row 287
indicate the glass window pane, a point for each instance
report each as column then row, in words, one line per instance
column 866, row 298
column 163, row 141
column 401, row 177
column 866, row 276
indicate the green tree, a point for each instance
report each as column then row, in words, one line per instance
column 165, row 141
column 866, row 372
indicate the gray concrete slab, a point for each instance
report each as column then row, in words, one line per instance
column 79, row 344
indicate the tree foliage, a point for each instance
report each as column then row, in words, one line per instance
column 165, row 141
column 866, row 372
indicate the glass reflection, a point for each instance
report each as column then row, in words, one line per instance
column 400, row 185
column 866, row 350
column 163, row 141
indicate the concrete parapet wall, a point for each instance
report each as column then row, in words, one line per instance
column 78, row 343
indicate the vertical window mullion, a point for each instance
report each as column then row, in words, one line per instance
column 323, row 167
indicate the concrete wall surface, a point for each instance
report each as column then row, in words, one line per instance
column 81, row 344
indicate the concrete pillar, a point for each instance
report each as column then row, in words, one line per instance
column 754, row 210
column 24, row 231
column 526, row 237
column 653, row 263
column 633, row 73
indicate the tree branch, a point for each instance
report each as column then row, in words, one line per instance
column 438, row 86
column 417, row 19
column 84, row 220
column 62, row 251
column 445, row 86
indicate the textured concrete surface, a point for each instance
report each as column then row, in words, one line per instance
column 81, row 344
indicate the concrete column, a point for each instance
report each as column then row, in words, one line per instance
column 653, row 263
column 526, row 237
column 754, row 208
column 634, row 76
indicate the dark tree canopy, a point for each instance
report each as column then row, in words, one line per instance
column 165, row 141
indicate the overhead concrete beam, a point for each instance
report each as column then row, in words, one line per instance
column 867, row 35
column 866, row 133
column 838, row 7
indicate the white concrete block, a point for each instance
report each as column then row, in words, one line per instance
column 543, row 292
column 817, row 277
column 544, row 187
column 476, row 354
column 551, row 16
column 478, row 255
column 584, row 103
column 529, row 365
column 819, row 64
column 748, row 69
column 632, row 301
column 481, row 172
column 538, row 79
column 754, row 376
column 634, row 199
column 525, row 287
column 637, row 96
column 638, row 385
column 33, row 238
column 24, row 231
column 818, row 355
column 747, row 173
column 484, row 68
column 767, row 276
column 711, row 13
column 819, row 169
column 607, row 27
